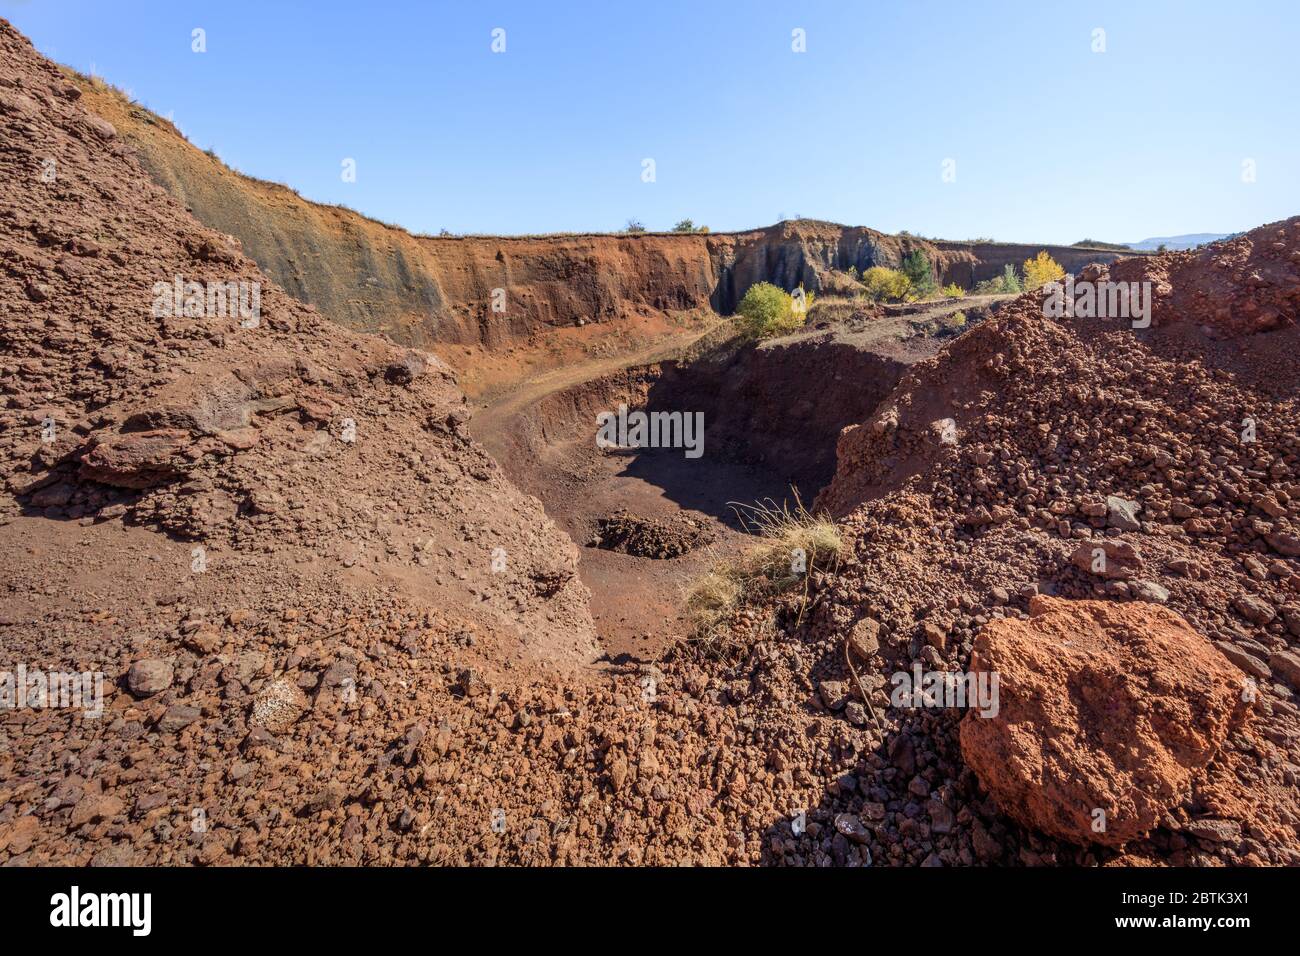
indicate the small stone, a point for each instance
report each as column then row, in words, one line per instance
column 95, row 807
column 177, row 717
column 278, row 706
column 205, row 640
column 865, row 637
column 935, row 636
column 469, row 684
column 115, row 854
column 851, row 826
column 1284, row 544
column 149, row 676
column 1112, row 560
column 1254, row 609
column 941, row 817
column 834, row 693
column 1292, row 617
column 242, row 617
column 1215, row 831
column 1248, row 663
column 329, row 797
column 1286, row 664
column 1150, row 591
column 1122, row 513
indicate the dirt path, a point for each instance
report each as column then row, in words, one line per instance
column 493, row 416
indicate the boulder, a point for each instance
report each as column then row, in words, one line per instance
column 1101, row 707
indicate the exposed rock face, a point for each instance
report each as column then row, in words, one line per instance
column 423, row 289
column 1102, row 707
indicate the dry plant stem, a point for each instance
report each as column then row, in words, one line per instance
column 848, row 659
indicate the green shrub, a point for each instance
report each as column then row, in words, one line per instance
column 886, row 285
column 687, row 225
column 768, row 310
column 953, row 291
column 1011, row 280
column 1007, row 283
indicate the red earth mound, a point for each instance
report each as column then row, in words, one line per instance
column 1003, row 466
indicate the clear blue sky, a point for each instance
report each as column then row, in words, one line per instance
column 1051, row 141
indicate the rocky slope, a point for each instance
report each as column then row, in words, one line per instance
column 1083, row 458
column 228, row 503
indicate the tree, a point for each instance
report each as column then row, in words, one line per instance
column 1008, row 282
column 885, row 284
column 687, row 225
column 768, row 310
column 1041, row 270
column 1011, row 280
column 634, row 226
column 916, row 266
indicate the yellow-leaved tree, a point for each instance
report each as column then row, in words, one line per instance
column 1041, row 270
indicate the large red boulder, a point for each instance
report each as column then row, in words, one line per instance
column 1105, row 714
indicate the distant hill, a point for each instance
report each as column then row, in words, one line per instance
column 1189, row 241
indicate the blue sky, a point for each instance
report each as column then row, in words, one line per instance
column 1051, row 141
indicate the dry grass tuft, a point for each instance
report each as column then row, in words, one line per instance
column 792, row 543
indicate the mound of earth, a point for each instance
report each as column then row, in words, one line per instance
column 268, row 534
column 1105, row 713
column 653, row 537
column 1083, row 458
column 1239, row 286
